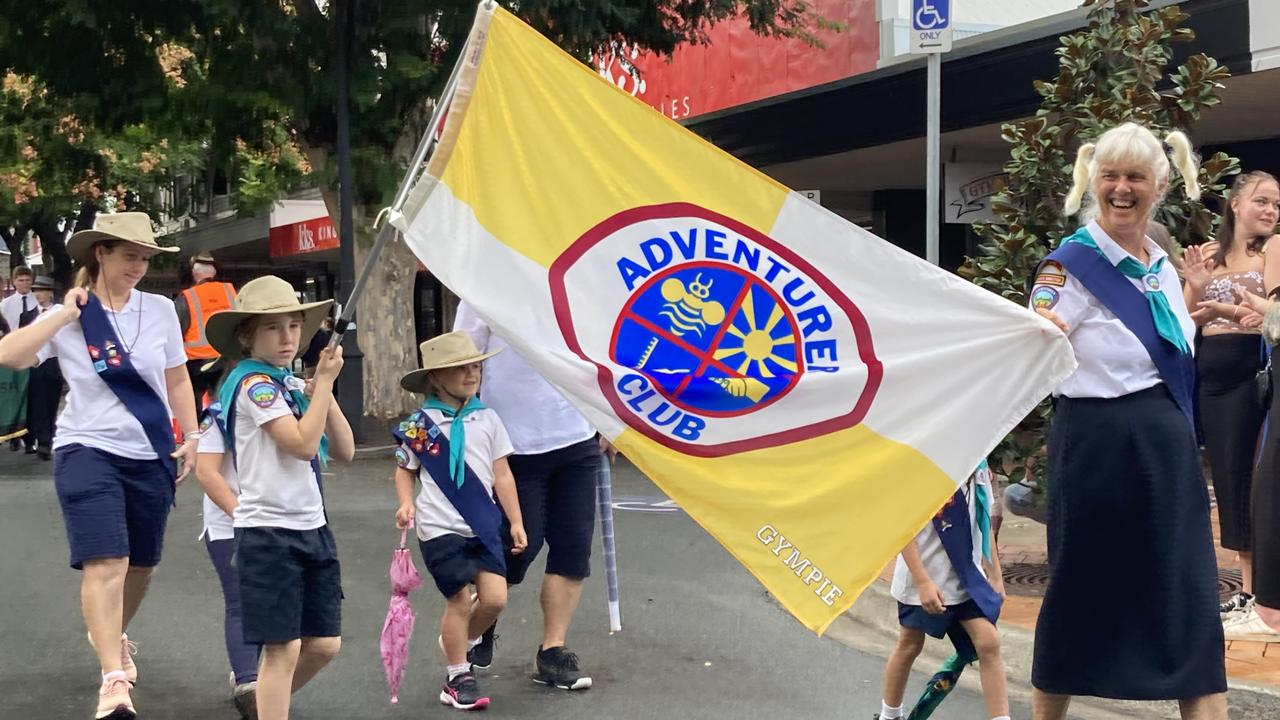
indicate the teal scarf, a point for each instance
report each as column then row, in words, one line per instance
column 983, row 514
column 457, row 433
column 250, row 366
column 1167, row 324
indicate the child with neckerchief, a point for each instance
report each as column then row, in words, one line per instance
column 943, row 589
column 457, row 448
column 285, row 555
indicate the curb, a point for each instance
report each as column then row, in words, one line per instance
column 366, row 452
column 871, row 626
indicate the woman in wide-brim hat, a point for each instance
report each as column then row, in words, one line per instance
column 286, row 558
column 121, row 353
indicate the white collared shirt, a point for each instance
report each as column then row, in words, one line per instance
column 934, row 558
column 535, row 414
column 11, row 308
column 217, row 524
column 1112, row 362
column 94, row 416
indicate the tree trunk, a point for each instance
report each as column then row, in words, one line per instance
column 385, row 329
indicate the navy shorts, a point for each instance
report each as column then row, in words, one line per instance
column 557, row 492
column 290, row 584
column 945, row 625
column 113, row 506
column 454, row 561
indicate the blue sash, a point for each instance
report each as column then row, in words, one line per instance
column 1126, row 302
column 116, row 370
column 955, row 529
column 431, row 445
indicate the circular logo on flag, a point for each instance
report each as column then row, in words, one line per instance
column 710, row 336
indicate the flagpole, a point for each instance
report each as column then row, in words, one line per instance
column 604, row 498
column 386, row 232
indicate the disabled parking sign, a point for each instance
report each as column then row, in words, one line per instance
column 930, row 26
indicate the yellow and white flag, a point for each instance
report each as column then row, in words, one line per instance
column 806, row 391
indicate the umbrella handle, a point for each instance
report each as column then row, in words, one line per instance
column 403, row 534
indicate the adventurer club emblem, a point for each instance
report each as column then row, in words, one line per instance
column 710, row 337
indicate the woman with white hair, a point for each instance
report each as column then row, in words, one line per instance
column 1131, row 610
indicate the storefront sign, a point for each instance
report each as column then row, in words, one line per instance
column 968, row 192
column 303, row 237
column 737, row 66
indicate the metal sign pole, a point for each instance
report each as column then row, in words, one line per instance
column 933, row 157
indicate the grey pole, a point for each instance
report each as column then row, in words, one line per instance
column 933, row 157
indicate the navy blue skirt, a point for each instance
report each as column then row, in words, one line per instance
column 1131, row 610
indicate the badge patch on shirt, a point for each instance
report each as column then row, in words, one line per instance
column 262, row 391
column 1152, row 281
column 1044, row 297
column 402, row 457
column 1051, row 273
column 206, row 423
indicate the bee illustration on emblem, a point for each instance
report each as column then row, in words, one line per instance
column 687, row 309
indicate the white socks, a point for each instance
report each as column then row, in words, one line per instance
column 1002, row 717
column 456, row 670
column 890, row 713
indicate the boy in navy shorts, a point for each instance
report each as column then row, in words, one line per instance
column 942, row 590
column 290, row 580
column 457, row 448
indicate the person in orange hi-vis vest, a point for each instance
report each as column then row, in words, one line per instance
column 206, row 296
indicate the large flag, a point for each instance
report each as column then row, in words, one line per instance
column 806, row 391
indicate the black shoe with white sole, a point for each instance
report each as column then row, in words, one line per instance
column 481, row 656
column 558, row 667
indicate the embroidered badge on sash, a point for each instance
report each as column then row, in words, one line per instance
column 114, row 360
column 206, row 423
column 1044, row 297
column 434, row 432
column 262, row 391
column 402, row 457
column 99, row 365
column 433, row 449
column 94, row 352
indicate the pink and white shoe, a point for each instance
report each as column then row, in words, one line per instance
column 113, row 698
column 127, row 651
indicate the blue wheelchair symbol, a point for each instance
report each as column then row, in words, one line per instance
column 931, row 14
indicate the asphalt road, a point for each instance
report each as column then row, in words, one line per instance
column 701, row 638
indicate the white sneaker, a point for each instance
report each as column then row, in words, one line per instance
column 1250, row 626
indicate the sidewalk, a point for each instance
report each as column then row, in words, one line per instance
column 1253, row 668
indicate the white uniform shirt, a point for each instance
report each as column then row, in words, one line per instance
column 11, row 307
column 934, row 557
column 1112, row 362
column 217, row 524
column 487, row 441
column 535, row 413
column 276, row 488
column 93, row 415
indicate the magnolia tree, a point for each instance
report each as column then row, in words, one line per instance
column 1116, row 70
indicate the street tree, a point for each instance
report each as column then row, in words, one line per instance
column 1117, row 69
column 255, row 82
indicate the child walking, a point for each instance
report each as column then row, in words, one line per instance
column 457, row 448
column 285, row 555
column 216, row 472
column 943, row 589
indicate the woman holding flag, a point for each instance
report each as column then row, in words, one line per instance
column 115, row 465
column 1124, row 467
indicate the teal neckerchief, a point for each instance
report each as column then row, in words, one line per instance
column 983, row 513
column 250, row 366
column 457, row 433
column 1167, row 324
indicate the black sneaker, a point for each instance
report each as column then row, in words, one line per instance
column 481, row 656
column 1239, row 602
column 559, row 668
column 463, row 692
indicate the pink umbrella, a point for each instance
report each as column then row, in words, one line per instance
column 398, row 628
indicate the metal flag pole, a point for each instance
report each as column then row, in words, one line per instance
column 386, row 232
column 604, row 498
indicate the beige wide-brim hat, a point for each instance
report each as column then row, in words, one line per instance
column 267, row 295
column 444, row 351
column 131, row 227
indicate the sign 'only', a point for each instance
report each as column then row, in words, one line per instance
column 930, row 26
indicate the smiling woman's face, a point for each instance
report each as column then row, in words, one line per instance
column 1125, row 196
